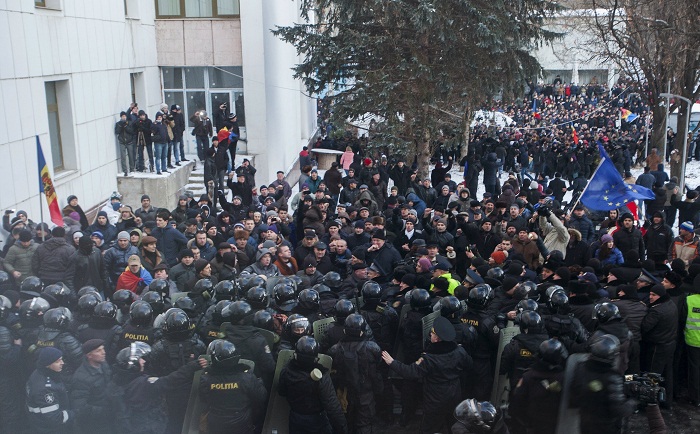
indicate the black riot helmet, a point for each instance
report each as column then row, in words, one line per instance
column 176, row 325
column 522, row 292
column 244, row 279
column 187, row 305
column 160, row 286
column 552, row 351
column 57, row 294
column 32, row 284
column 552, row 289
column 256, row 281
column 449, row 306
column 87, row 303
column 309, row 299
column 371, row 291
column 31, row 312
column 559, row 303
column 128, row 358
column 355, row 325
column 224, row 354
column 306, row 351
column 58, row 318
column 285, row 297
column 333, row 280
column 141, row 313
column 155, row 299
column 257, row 297
column 530, row 287
column 320, row 288
column 4, row 279
column 217, row 317
column 225, row 290
column 262, row 319
column 420, row 298
column 296, row 282
column 237, row 312
column 297, row 326
column 342, row 309
column 204, row 287
column 478, row 417
column 5, row 307
column 105, row 310
column 496, row 273
column 89, row 289
column 605, row 312
column 527, row 304
column 605, row 349
column 530, row 321
column 479, row 296
column 123, row 299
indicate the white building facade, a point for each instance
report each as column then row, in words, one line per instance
column 214, row 51
column 67, row 68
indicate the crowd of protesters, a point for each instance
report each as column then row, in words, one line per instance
column 102, row 321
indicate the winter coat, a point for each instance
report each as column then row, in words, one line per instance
column 170, row 242
column 86, row 269
column 19, row 258
column 313, row 219
column 89, row 394
column 633, row 311
column 661, row 322
column 346, row 159
column 658, row 240
column 125, row 132
column 385, row 259
column 116, row 260
column 556, row 236
column 109, row 231
column 629, row 239
column 490, row 165
column 401, row 177
column 585, row 226
column 372, row 206
column 45, row 390
column 528, row 249
column 615, row 257
column 51, row 260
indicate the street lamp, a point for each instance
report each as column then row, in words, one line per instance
column 685, row 136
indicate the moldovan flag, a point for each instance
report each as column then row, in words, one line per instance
column 574, row 135
column 46, row 186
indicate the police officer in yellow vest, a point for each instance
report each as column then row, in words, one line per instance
column 689, row 311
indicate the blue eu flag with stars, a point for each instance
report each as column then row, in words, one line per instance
column 606, row 190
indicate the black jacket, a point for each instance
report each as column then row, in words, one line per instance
column 51, row 260
column 519, row 355
column 232, row 409
column 309, row 397
column 67, row 343
column 535, row 402
column 86, row 270
column 253, row 346
column 661, row 322
column 627, row 240
column 440, row 368
column 89, row 395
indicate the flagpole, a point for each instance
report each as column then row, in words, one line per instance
column 587, row 185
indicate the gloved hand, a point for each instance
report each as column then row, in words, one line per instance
column 544, row 211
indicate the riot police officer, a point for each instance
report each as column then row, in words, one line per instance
column 356, row 360
column 336, row 331
column 521, row 352
column 236, row 398
column 314, row 406
column 487, row 341
column 55, row 333
column 475, row 417
column 535, row 401
column 103, row 325
column 11, row 386
column 138, row 327
column 382, row 319
column 597, row 389
column 562, row 324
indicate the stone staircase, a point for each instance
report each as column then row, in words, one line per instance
column 195, row 183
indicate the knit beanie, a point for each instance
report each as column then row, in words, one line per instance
column 47, row 356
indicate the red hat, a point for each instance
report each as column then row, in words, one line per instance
column 499, row 256
column 367, row 161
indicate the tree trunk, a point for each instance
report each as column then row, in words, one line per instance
column 466, row 121
column 681, row 133
column 658, row 128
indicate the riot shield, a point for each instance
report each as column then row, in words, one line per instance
column 428, row 321
column 270, row 285
column 321, row 328
column 499, row 393
column 277, row 416
column 176, row 296
column 271, row 337
column 195, row 408
column 568, row 421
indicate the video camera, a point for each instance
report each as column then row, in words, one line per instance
column 645, row 387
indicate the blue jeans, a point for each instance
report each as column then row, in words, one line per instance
column 202, row 147
column 161, row 150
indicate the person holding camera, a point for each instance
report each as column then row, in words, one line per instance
column 124, row 129
column 202, row 132
column 143, row 140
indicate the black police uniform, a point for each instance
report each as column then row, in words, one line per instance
column 253, row 346
column 568, row 329
column 383, row 320
column 110, row 333
column 48, row 404
column 136, row 333
column 356, row 361
column 440, row 369
column 67, row 343
column 236, row 399
column 535, row 401
column 314, row 406
column 485, row 350
column 11, row 387
column 520, row 353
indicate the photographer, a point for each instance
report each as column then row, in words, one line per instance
column 178, row 130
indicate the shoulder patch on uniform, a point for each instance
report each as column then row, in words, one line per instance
column 496, row 330
column 595, row 386
column 152, row 379
column 419, row 361
column 267, row 349
column 380, row 309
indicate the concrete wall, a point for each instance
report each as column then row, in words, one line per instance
column 94, row 47
column 199, row 42
column 163, row 190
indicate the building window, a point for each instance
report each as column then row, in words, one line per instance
column 197, row 8
column 40, row 3
column 60, row 125
column 204, row 88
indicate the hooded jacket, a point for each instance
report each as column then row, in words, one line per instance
column 86, row 268
column 367, row 196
